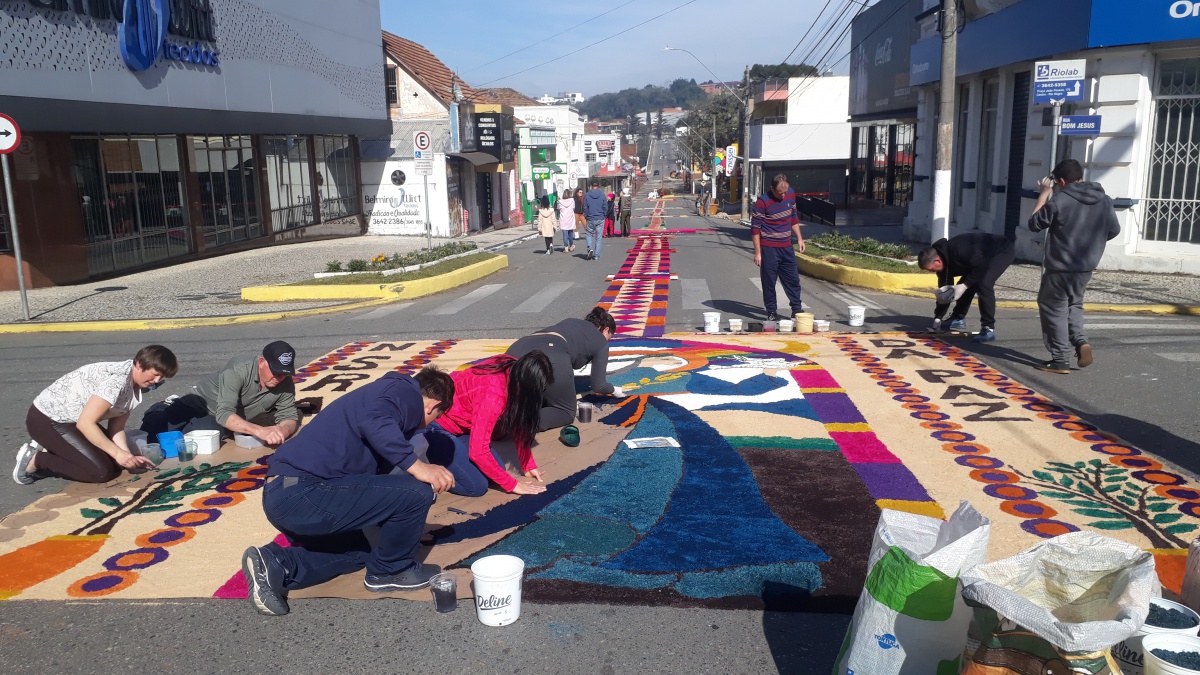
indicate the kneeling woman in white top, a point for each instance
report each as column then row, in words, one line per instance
column 65, row 418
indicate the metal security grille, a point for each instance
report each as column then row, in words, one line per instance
column 1016, row 155
column 1173, row 193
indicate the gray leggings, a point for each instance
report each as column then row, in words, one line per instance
column 558, row 403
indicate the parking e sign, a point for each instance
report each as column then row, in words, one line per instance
column 421, row 140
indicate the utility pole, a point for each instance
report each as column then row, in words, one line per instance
column 747, row 108
column 712, row 171
column 945, row 136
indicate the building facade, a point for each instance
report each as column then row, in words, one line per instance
column 1142, row 78
column 227, row 124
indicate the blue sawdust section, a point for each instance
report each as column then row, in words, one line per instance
column 717, row 517
column 753, row 386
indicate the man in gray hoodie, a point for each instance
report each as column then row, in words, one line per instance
column 595, row 206
column 1079, row 220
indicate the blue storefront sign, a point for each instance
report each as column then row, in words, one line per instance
column 1121, row 22
column 1080, row 125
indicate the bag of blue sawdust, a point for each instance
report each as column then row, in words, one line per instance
column 910, row 618
column 1059, row 607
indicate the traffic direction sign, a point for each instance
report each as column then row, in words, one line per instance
column 1080, row 125
column 1059, row 81
column 10, row 134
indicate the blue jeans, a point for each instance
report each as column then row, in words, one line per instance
column 325, row 518
column 568, row 238
column 780, row 263
column 454, row 453
column 595, row 235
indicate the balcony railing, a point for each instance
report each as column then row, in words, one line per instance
column 773, row 119
column 768, row 87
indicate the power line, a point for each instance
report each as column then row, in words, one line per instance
column 588, row 46
column 501, row 58
column 810, row 27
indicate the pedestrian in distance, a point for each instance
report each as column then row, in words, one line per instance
column 78, row 423
column 609, row 216
column 570, row 345
column 772, row 224
column 352, row 467
column 566, row 220
column 236, row 399
column 595, row 206
column 547, row 221
column 976, row 260
column 497, row 397
column 625, row 208
column 580, row 220
column 1079, row 220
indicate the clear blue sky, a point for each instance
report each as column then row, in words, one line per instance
column 467, row 35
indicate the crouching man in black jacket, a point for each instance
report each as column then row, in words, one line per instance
column 1079, row 220
column 977, row 259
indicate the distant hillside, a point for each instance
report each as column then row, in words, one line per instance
column 628, row 102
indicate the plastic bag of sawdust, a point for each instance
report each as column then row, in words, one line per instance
column 910, row 618
column 1058, row 607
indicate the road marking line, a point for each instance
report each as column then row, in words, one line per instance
column 1181, row 357
column 696, row 294
column 1155, row 339
column 381, row 312
column 458, row 305
column 1138, row 326
column 542, row 299
column 856, row 299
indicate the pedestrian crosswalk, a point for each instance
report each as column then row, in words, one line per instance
column 386, row 310
column 543, row 298
column 851, row 298
column 458, row 305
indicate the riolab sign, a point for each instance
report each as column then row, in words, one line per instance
column 146, row 28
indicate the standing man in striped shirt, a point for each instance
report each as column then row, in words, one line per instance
column 771, row 227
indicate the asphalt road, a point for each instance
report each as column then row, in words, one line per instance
column 1141, row 387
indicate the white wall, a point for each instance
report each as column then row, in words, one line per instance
column 392, row 209
column 567, row 123
column 818, row 100
column 798, row 142
column 413, row 100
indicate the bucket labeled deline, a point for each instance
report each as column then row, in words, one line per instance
column 858, row 314
column 712, row 322
column 1130, row 654
column 498, row 589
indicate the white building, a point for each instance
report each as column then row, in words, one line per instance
column 801, row 128
column 563, row 97
column 569, row 165
column 601, row 152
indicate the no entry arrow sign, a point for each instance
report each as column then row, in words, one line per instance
column 10, row 134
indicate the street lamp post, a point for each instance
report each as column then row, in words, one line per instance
column 746, row 135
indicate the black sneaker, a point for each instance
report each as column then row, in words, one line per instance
column 1060, row 367
column 412, row 579
column 265, row 580
column 772, row 316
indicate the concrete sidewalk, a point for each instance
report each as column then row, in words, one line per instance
column 1021, row 281
column 212, row 287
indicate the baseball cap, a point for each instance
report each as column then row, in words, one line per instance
column 281, row 358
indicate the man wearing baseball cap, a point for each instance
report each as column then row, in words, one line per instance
column 246, row 389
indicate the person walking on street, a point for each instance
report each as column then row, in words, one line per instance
column 352, row 467
column 547, row 222
column 1079, row 221
column 566, row 220
column 772, row 224
column 580, row 221
column 977, row 259
column 610, row 217
column 595, row 205
column 625, row 208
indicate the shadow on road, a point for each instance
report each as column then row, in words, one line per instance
column 1149, row 437
column 801, row 643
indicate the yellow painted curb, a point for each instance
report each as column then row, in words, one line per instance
column 911, row 285
column 396, row 291
column 874, row 279
column 433, row 285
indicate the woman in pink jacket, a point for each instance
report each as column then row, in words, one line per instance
column 499, row 396
column 566, row 220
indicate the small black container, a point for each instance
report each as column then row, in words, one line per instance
column 754, row 327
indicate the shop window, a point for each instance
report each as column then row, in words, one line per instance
column 902, row 176
column 290, row 181
column 393, row 92
column 337, row 181
column 228, row 177
column 131, row 197
column 1173, row 191
column 860, row 163
column 987, row 144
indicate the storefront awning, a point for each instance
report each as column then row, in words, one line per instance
column 476, row 158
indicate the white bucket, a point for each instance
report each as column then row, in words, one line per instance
column 498, row 589
column 735, row 325
column 207, row 441
column 821, row 326
column 786, row 325
column 712, row 322
column 1130, row 654
column 858, row 314
column 1171, row 642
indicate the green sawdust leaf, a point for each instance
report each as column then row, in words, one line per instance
column 1099, row 513
column 155, row 508
column 1115, row 479
column 110, row 501
column 1127, row 501
column 1158, row 507
column 1057, row 495
column 1079, row 465
column 1086, row 503
column 1156, row 499
column 1164, row 518
column 1094, row 462
column 1110, row 488
column 1061, row 465
column 1043, row 475
column 1083, row 487
column 91, row 513
column 1111, row 524
column 1065, row 482
column 1179, row 529
column 167, row 474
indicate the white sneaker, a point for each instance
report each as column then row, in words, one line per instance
column 21, row 469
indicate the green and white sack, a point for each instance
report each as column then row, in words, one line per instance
column 910, row 617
